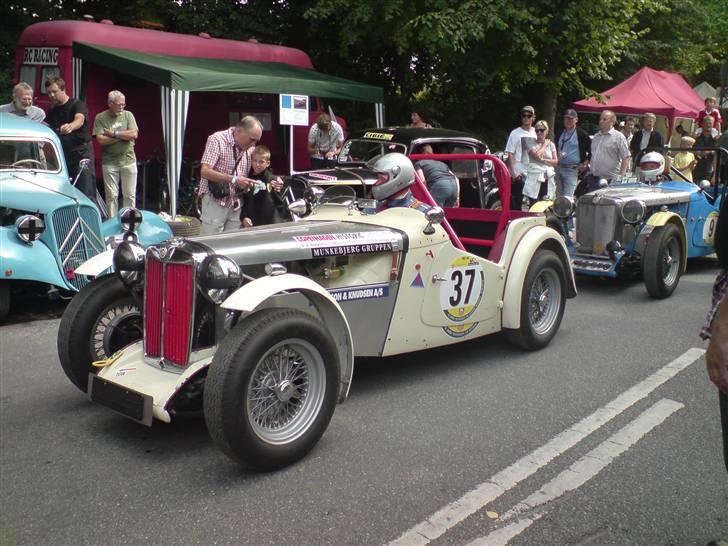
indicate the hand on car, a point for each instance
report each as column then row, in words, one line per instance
column 277, row 183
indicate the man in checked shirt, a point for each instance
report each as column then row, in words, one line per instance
column 224, row 174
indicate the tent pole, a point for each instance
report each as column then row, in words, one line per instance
column 290, row 149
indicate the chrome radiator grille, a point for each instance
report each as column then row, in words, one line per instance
column 168, row 310
column 77, row 232
column 596, row 225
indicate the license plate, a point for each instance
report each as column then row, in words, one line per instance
column 127, row 402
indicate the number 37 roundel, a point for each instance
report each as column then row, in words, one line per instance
column 462, row 289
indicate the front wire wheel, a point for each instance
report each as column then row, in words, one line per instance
column 272, row 388
column 662, row 266
column 286, row 391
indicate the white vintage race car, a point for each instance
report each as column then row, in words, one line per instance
column 259, row 327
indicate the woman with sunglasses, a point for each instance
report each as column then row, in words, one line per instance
column 542, row 159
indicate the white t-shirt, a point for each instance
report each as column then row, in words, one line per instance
column 513, row 146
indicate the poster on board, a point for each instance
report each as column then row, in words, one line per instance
column 294, row 110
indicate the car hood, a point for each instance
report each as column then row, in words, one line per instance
column 304, row 240
column 650, row 195
column 37, row 192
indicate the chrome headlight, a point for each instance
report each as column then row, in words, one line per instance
column 29, row 228
column 563, row 206
column 130, row 218
column 129, row 262
column 633, row 211
column 218, row 277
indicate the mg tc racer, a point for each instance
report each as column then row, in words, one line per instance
column 48, row 227
column 648, row 227
column 259, row 327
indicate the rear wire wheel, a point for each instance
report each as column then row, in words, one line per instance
column 543, row 299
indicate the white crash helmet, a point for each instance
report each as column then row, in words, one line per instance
column 652, row 165
column 395, row 173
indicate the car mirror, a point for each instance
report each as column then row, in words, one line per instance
column 83, row 163
column 434, row 217
column 603, row 182
column 704, row 185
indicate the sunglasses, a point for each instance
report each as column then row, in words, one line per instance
column 526, row 115
column 540, row 130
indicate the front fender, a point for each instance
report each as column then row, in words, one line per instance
column 151, row 231
column 660, row 219
column 29, row 262
column 253, row 295
column 541, row 206
column 536, row 238
column 93, row 267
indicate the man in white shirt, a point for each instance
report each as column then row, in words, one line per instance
column 514, row 148
column 609, row 153
column 22, row 104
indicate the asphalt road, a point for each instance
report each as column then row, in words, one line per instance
column 608, row 436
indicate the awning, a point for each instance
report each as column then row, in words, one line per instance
column 178, row 76
column 195, row 74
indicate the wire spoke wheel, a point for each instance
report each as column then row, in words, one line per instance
column 544, row 301
column 119, row 326
column 286, row 391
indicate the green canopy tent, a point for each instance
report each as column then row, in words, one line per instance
column 178, row 76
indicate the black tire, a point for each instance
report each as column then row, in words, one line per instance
column 4, row 300
column 662, row 263
column 543, row 299
column 101, row 319
column 185, row 226
column 242, row 367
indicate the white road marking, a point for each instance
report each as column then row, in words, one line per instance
column 581, row 471
column 500, row 537
column 472, row 501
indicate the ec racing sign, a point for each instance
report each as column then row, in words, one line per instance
column 40, row 55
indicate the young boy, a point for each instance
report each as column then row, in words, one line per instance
column 260, row 204
column 711, row 110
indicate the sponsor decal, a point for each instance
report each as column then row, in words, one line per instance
column 40, row 55
column 347, row 250
column 462, row 289
column 430, row 255
column 343, row 244
column 378, row 136
column 322, row 176
column 460, row 330
column 123, row 371
column 417, row 282
column 366, row 292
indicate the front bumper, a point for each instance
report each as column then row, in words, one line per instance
column 598, row 266
column 138, row 388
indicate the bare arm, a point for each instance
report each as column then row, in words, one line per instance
column 74, row 125
column 209, row 173
column 623, row 166
column 716, row 356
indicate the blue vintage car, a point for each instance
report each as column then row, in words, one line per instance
column 640, row 228
column 48, row 227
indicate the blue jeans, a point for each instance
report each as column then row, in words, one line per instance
column 444, row 192
column 566, row 180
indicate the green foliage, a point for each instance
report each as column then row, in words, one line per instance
column 469, row 63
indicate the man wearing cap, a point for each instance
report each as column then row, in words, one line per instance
column 609, row 152
column 514, row 148
column 574, row 149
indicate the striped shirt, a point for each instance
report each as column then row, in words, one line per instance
column 221, row 153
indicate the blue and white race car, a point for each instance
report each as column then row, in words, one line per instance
column 647, row 227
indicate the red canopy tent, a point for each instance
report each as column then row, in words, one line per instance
column 648, row 90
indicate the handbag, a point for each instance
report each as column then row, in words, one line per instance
column 220, row 190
